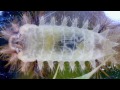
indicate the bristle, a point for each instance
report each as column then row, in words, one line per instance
column 13, row 58
column 25, row 19
column 6, row 34
column 61, row 64
column 115, row 59
column 85, row 25
column 40, row 65
column 15, row 27
column 96, row 28
column 25, row 67
column 82, row 64
column 10, row 42
column 6, row 50
column 93, row 64
column 72, row 65
column 75, row 22
column 53, row 21
column 12, row 62
column 42, row 20
column 65, row 21
column 105, row 33
column 51, row 65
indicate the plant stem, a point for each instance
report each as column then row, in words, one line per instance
column 54, row 77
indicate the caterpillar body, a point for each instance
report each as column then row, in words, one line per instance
column 51, row 42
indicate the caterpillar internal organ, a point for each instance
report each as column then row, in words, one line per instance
column 60, row 43
column 52, row 42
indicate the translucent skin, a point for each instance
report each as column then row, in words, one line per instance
column 42, row 43
column 60, row 40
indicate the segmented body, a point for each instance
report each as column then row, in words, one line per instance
column 62, row 43
column 50, row 42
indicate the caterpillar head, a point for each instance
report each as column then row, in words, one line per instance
column 15, row 43
column 17, row 40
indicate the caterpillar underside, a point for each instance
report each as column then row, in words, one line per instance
column 62, row 43
column 50, row 42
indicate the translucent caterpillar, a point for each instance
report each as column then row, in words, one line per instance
column 51, row 42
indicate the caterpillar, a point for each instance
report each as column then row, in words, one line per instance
column 50, row 42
